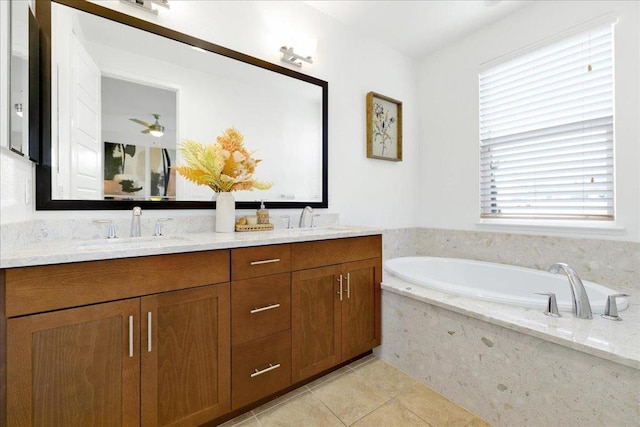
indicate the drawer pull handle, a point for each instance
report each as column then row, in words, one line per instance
column 265, row 370
column 130, row 336
column 149, row 332
column 265, row 308
column 340, row 291
column 266, row 261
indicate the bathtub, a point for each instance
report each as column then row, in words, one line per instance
column 494, row 282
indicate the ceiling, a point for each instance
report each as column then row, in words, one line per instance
column 417, row 28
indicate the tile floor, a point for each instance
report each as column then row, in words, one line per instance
column 369, row 393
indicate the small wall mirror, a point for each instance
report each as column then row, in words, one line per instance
column 115, row 79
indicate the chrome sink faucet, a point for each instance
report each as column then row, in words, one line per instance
column 135, row 222
column 579, row 299
column 305, row 211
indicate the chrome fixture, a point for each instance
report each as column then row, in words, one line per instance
column 111, row 232
column 611, row 308
column 147, row 5
column 135, row 222
column 158, row 228
column 290, row 57
column 579, row 298
column 18, row 108
column 552, row 304
column 288, row 218
column 305, row 211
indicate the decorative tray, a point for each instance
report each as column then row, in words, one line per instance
column 254, row 227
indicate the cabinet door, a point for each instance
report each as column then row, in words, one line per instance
column 185, row 356
column 75, row 367
column 360, row 305
column 315, row 321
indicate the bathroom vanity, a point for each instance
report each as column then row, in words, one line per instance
column 184, row 338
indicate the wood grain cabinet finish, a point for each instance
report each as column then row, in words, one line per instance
column 75, row 367
column 261, row 306
column 261, row 367
column 159, row 359
column 336, row 309
column 185, row 352
column 181, row 339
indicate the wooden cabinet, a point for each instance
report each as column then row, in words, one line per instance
column 159, row 359
column 185, row 356
column 181, row 339
column 261, row 322
column 336, row 309
column 75, row 367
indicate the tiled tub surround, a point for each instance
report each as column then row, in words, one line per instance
column 510, row 365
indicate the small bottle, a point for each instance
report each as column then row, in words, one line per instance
column 262, row 214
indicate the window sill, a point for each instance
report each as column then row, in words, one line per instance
column 544, row 226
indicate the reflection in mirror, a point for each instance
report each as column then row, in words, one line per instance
column 113, row 84
column 19, row 76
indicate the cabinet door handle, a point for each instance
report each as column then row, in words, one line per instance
column 149, row 323
column 265, row 308
column 265, row 370
column 130, row 336
column 348, row 285
column 340, row 291
column 266, row 261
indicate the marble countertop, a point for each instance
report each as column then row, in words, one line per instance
column 66, row 251
column 615, row 341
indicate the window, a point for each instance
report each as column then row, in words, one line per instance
column 546, row 132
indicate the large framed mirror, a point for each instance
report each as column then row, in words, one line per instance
column 118, row 94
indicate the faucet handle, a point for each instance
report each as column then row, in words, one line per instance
column 111, row 233
column 158, row 228
column 288, row 218
column 611, row 308
column 314, row 217
column 552, row 304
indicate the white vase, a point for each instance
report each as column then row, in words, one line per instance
column 225, row 212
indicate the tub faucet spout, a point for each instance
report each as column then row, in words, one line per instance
column 579, row 299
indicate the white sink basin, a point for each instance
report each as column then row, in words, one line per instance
column 129, row 241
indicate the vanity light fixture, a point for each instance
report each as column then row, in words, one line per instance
column 18, row 108
column 290, row 57
column 147, row 5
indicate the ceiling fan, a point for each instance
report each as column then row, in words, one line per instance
column 155, row 129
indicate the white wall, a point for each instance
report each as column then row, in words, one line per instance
column 363, row 191
column 448, row 91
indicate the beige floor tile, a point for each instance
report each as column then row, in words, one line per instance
column 280, row 400
column 391, row 414
column 303, row 410
column 385, row 378
column 329, row 377
column 362, row 361
column 245, row 420
column 477, row 422
column 433, row 407
column 349, row 397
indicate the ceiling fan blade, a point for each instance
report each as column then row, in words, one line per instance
column 145, row 131
column 140, row 122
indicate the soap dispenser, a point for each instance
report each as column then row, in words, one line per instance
column 262, row 214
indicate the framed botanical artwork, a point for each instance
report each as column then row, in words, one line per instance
column 384, row 127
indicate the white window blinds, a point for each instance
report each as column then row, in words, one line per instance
column 546, row 132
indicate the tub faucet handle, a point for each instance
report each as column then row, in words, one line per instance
column 552, row 304
column 611, row 308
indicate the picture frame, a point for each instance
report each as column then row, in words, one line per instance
column 384, row 127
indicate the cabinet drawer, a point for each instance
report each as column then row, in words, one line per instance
column 337, row 251
column 260, row 261
column 260, row 368
column 52, row 287
column 260, row 307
